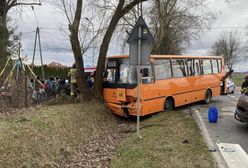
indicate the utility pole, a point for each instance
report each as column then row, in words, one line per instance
column 138, row 71
column 37, row 36
column 41, row 59
column 141, row 9
column 26, row 88
column 140, row 44
column 139, row 80
column 17, row 74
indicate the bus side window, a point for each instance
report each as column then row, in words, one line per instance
column 162, row 69
column 197, row 68
column 215, row 66
column 190, row 67
column 206, row 65
column 219, row 65
column 179, row 68
column 147, row 76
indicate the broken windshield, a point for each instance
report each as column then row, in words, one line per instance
column 119, row 71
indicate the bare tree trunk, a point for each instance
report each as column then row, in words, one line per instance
column 104, row 49
column 119, row 13
column 3, row 34
column 81, row 82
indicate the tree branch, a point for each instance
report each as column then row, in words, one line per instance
column 14, row 3
column 78, row 14
column 128, row 7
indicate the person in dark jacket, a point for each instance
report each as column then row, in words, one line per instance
column 90, row 80
column 244, row 86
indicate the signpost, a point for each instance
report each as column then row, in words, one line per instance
column 140, row 46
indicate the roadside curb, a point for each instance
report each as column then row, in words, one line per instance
column 219, row 160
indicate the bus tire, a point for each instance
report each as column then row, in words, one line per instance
column 208, row 96
column 168, row 104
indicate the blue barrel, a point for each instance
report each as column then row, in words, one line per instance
column 213, row 114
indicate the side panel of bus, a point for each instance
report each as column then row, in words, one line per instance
column 183, row 90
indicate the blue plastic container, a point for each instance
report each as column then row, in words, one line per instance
column 213, row 114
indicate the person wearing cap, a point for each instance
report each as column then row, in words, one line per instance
column 244, row 86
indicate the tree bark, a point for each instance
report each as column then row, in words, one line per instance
column 85, row 94
column 104, row 49
column 3, row 33
column 118, row 14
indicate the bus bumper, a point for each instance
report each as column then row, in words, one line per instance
column 123, row 110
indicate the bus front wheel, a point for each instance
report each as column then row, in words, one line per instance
column 208, row 97
column 168, row 104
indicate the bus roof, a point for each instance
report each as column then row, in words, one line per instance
column 167, row 56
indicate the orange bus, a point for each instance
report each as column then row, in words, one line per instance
column 170, row 81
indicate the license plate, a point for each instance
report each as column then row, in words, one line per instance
column 121, row 94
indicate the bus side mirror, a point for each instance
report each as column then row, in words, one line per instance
column 145, row 72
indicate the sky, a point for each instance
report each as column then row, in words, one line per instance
column 56, row 46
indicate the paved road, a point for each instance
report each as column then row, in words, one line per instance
column 227, row 129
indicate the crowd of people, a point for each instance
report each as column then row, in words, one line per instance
column 44, row 89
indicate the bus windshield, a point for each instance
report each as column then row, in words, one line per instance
column 120, row 72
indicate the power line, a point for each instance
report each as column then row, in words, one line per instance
column 238, row 27
column 209, row 28
column 23, row 33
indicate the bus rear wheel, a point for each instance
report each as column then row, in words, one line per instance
column 168, row 105
column 208, row 97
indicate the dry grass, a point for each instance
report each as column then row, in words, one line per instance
column 46, row 136
column 51, row 135
column 161, row 145
column 238, row 79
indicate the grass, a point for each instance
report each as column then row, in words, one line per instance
column 161, row 145
column 238, row 79
column 46, row 136
column 49, row 135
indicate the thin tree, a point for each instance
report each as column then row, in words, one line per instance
column 76, row 48
column 5, row 7
column 175, row 23
column 231, row 47
column 123, row 7
column 80, row 37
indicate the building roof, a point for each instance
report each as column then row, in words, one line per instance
column 55, row 65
